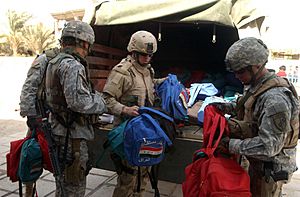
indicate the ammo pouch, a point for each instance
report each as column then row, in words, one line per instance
column 269, row 172
column 86, row 119
column 242, row 129
column 67, row 118
column 75, row 173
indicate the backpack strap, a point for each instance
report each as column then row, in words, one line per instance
column 156, row 125
column 214, row 124
column 151, row 110
column 153, row 177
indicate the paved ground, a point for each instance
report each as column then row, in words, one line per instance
column 99, row 182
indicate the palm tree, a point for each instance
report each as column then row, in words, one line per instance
column 16, row 22
column 38, row 38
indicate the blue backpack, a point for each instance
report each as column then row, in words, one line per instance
column 174, row 97
column 30, row 165
column 144, row 139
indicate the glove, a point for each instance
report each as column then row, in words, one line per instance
column 226, row 108
column 32, row 122
column 223, row 145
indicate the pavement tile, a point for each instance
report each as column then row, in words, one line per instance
column 13, row 195
column 164, row 187
column 104, row 191
column 94, row 181
column 151, row 194
column 3, row 159
column 178, row 191
column 2, row 193
column 97, row 171
column 5, row 141
column 47, row 176
column 3, row 167
column 4, row 148
column 45, row 187
column 8, row 185
column 113, row 181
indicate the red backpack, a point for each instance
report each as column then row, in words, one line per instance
column 13, row 157
column 210, row 174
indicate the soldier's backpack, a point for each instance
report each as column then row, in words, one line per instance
column 144, row 139
column 213, row 174
column 174, row 97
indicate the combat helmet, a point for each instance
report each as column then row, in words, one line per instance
column 79, row 30
column 143, row 42
column 246, row 52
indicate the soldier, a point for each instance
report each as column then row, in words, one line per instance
column 74, row 105
column 129, row 86
column 267, row 119
column 30, row 93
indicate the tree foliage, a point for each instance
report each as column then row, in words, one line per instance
column 38, row 38
column 23, row 38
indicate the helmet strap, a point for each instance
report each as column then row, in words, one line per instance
column 254, row 76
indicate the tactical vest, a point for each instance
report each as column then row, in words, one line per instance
column 50, row 54
column 246, row 111
column 56, row 100
column 143, row 96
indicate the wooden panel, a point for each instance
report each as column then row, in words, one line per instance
column 95, row 73
column 98, row 84
column 102, row 61
column 109, row 50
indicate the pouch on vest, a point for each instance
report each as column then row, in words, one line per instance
column 144, row 141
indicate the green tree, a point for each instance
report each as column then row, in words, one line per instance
column 38, row 38
column 16, row 22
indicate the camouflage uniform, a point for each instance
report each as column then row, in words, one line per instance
column 130, row 84
column 73, row 103
column 30, row 89
column 268, row 147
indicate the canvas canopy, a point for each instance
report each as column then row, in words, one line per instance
column 225, row 12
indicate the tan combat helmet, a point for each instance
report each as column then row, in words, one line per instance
column 142, row 42
column 79, row 30
column 246, row 52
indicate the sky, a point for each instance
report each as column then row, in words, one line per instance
column 40, row 9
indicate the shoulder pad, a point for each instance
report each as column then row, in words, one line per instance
column 123, row 67
column 51, row 53
column 60, row 57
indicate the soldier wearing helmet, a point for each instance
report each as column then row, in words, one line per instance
column 74, row 105
column 129, row 86
column 267, row 118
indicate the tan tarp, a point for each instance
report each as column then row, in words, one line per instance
column 225, row 12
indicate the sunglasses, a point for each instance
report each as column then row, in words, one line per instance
column 145, row 54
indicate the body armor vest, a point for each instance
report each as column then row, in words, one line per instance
column 245, row 113
column 56, row 100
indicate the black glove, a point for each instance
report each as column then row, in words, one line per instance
column 33, row 122
column 223, row 145
column 226, row 108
